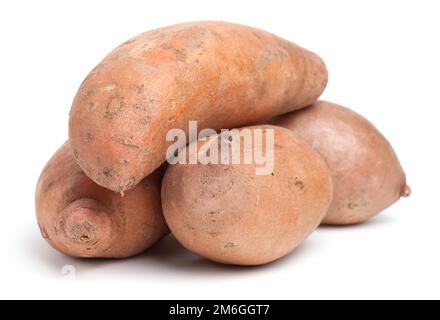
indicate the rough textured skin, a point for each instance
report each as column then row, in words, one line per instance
column 223, row 75
column 81, row 219
column 230, row 215
column 367, row 175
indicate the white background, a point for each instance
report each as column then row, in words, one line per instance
column 384, row 61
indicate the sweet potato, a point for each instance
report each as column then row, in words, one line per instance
column 81, row 219
column 230, row 215
column 366, row 172
column 220, row 74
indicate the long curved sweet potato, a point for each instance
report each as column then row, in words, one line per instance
column 220, row 74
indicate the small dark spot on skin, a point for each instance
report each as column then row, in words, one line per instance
column 272, row 174
column 355, row 205
column 229, row 245
column 145, row 121
column 82, row 232
column 213, row 221
column 88, row 94
column 171, row 119
column 205, row 179
column 88, row 137
column 108, row 172
column 213, row 212
column 125, row 162
column 140, row 89
column 214, row 234
column 143, row 105
column 189, row 227
column 48, row 186
column 299, row 184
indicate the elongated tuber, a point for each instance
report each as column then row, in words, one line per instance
column 222, row 75
column 81, row 219
column 366, row 172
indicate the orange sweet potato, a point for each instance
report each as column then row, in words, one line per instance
column 231, row 215
column 81, row 219
column 223, row 75
column 367, row 175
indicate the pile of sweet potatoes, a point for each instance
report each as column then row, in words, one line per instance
column 114, row 189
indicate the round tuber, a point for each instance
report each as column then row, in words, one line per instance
column 231, row 215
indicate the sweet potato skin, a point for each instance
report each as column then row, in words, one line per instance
column 367, row 174
column 228, row 214
column 223, row 75
column 81, row 219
